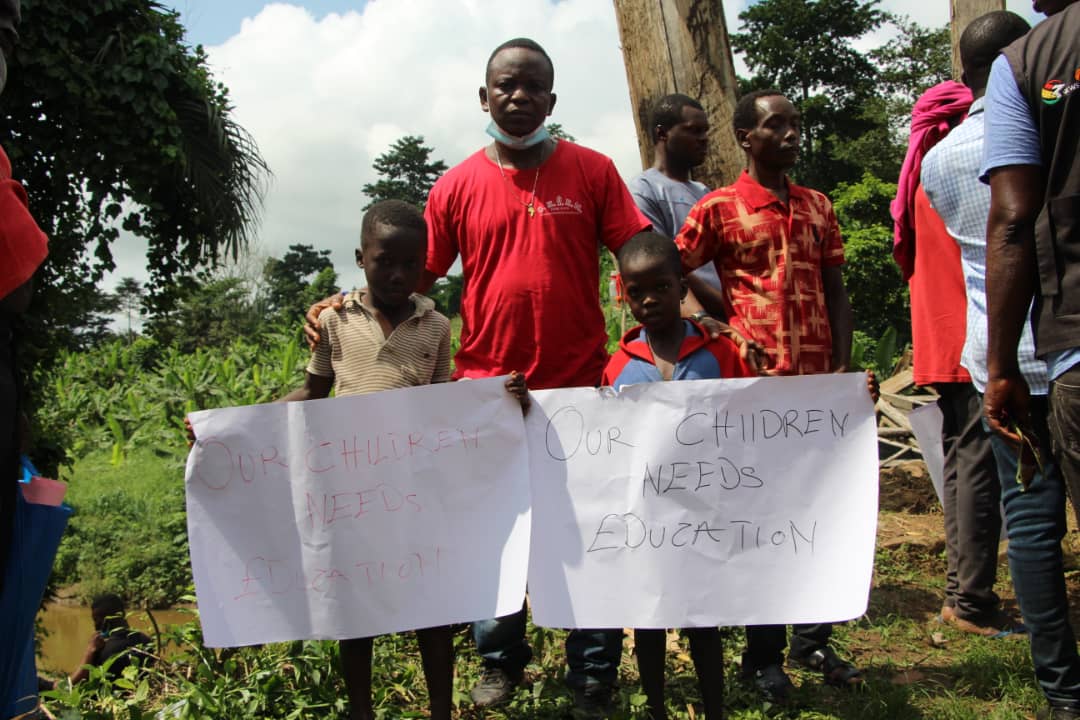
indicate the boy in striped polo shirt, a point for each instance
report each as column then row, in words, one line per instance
column 385, row 337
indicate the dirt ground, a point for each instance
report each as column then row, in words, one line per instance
column 911, row 530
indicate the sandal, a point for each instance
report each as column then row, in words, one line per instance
column 834, row 671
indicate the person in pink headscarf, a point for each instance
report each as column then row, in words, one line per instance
column 938, row 110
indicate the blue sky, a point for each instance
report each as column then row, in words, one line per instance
column 212, row 22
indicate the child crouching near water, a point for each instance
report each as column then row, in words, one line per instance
column 386, row 336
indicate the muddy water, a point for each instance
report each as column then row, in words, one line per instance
column 69, row 628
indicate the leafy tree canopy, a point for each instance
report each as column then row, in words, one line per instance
column 113, row 122
column 406, row 171
column 855, row 104
column 302, row 276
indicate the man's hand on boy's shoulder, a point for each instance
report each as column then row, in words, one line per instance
column 516, row 386
column 749, row 350
column 311, row 320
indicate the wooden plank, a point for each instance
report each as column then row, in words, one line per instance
column 963, row 12
column 898, row 382
column 682, row 46
column 893, row 414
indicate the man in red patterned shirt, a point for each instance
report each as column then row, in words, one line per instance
column 777, row 249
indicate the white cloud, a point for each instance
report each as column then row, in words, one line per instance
column 324, row 97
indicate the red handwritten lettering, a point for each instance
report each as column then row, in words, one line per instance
column 318, row 469
column 207, row 446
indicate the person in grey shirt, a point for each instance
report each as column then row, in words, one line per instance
column 665, row 193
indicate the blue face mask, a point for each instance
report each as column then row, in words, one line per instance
column 514, row 142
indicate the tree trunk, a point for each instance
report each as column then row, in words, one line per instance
column 963, row 12
column 682, row 46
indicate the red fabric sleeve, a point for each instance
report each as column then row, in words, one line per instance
column 23, row 246
column 620, row 217
column 442, row 247
column 727, row 356
column 615, row 365
column 699, row 240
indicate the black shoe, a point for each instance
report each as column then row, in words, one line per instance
column 494, row 687
column 1054, row 712
column 592, row 703
column 771, row 681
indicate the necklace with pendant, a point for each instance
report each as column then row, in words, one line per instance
column 530, row 207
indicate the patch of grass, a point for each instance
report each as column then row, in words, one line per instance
column 128, row 532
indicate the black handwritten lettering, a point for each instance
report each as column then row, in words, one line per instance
column 601, row 531
column 718, row 426
column 838, row 423
column 702, row 474
column 613, row 435
column 626, row 521
column 552, row 436
column 682, row 526
column 599, row 442
column 676, row 475
column 797, row 533
column 679, row 428
column 811, row 420
column 749, row 478
column 703, row 527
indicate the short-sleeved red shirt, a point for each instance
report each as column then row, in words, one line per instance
column 769, row 257
column 531, row 296
column 23, row 246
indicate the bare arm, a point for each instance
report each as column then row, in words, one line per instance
column 315, row 387
column 841, row 318
column 96, row 643
column 427, row 279
column 1016, row 196
column 703, row 296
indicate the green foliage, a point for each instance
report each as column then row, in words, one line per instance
column 114, row 122
column 209, row 314
column 557, row 131
column 128, row 533
column 118, row 412
column 300, row 278
column 406, row 173
column 878, row 355
column 855, row 105
column 806, row 49
column 446, row 292
column 128, row 299
column 878, row 293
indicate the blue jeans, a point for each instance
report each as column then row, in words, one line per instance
column 592, row 655
column 1035, row 521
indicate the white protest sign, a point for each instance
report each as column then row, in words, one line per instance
column 926, row 423
column 356, row 516
column 703, row 503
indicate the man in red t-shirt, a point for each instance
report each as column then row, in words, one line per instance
column 777, row 249
column 528, row 215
